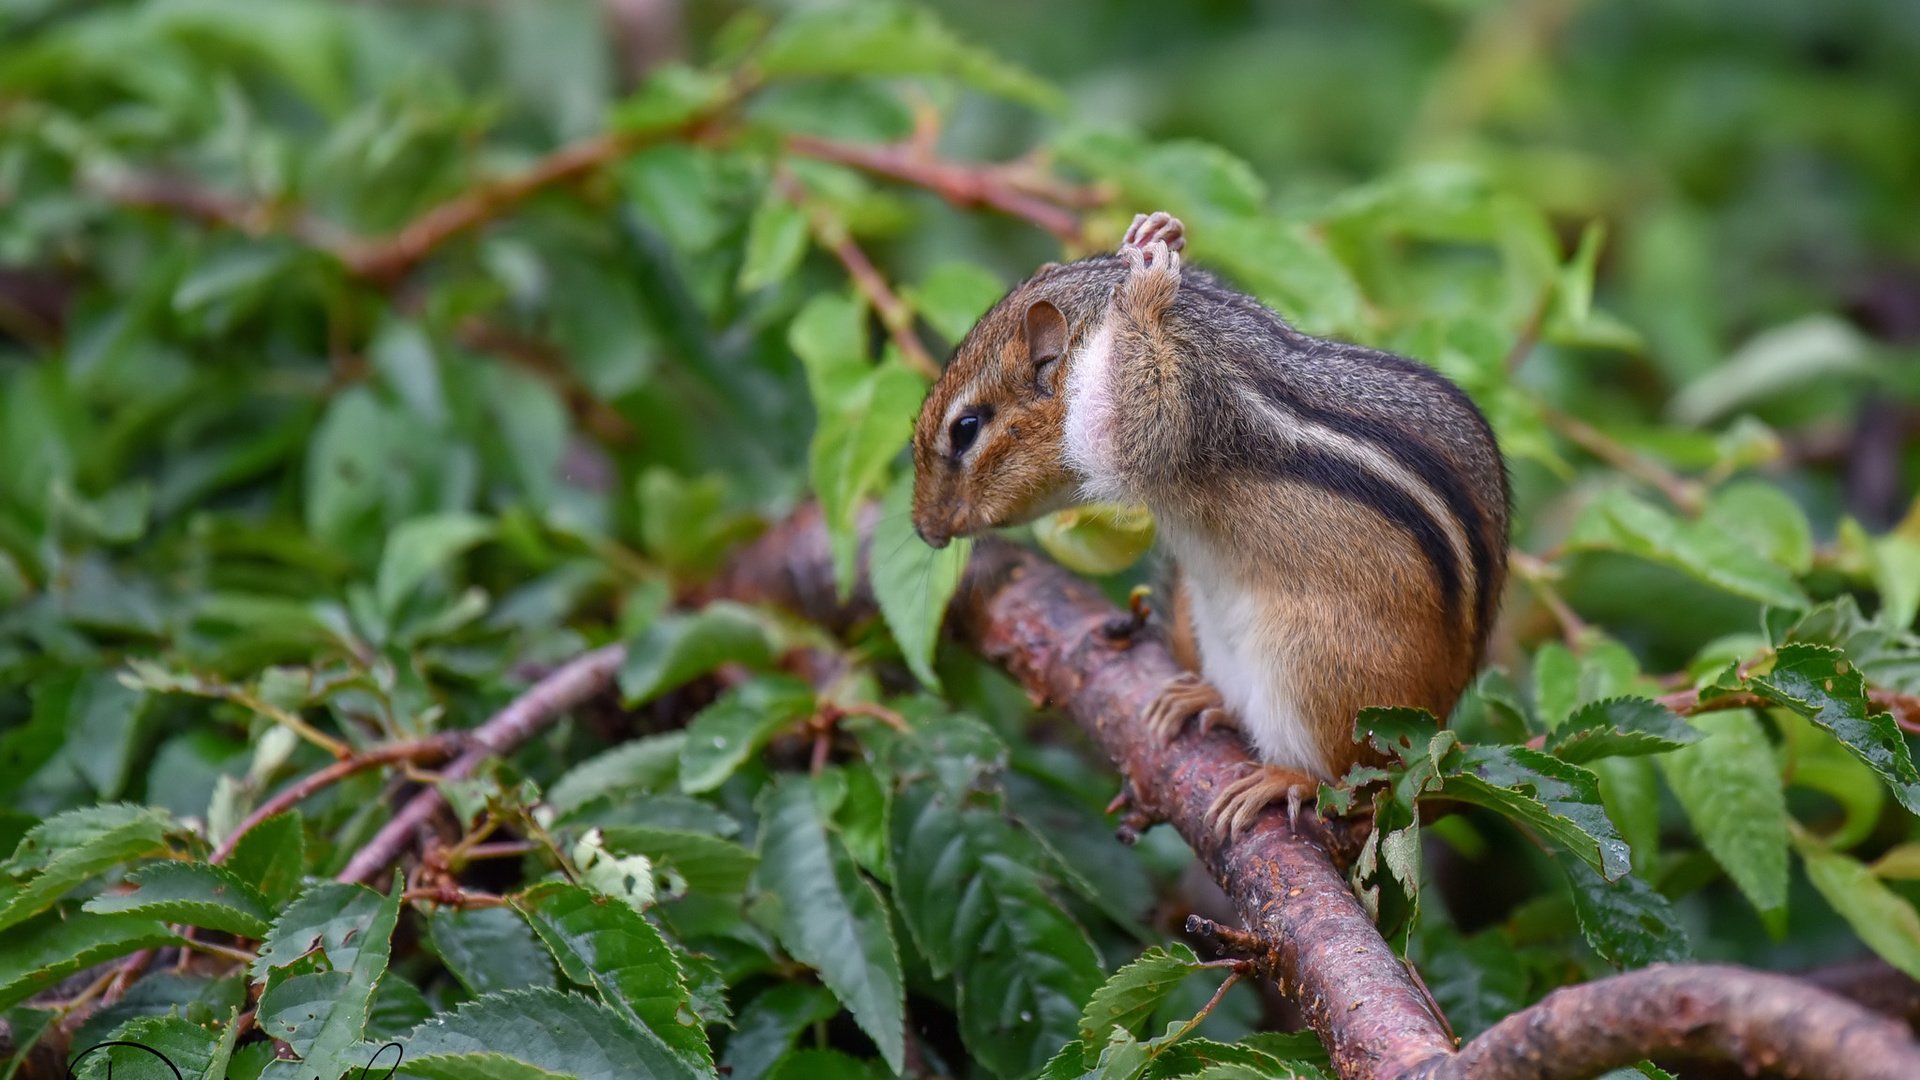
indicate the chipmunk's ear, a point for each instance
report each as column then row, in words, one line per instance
column 1046, row 342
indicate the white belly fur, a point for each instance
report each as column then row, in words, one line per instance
column 1091, row 408
column 1247, row 657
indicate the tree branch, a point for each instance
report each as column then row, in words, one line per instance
column 543, row 703
column 1014, row 190
column 1046, row 627
column 1696, row 1012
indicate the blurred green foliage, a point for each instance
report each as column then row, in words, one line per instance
column 361, row 361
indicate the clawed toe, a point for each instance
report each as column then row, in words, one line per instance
column 1183, row 696
column 1243, row 800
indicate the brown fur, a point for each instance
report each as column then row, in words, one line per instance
column 1352, row 594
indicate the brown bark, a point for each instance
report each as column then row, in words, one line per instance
column 1047, row 628
column 1697, row 1012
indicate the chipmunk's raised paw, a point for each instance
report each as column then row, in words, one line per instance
column 1158, row 226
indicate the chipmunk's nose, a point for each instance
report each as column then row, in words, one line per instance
column 934, row 540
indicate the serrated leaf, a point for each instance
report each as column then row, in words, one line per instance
column 722, row 736
column 1626, row 921
column 196, row 894
column 1884, row 919
column 489, row 949
column 637, row 767
column 972, row 889
column 330, row 916
column 272, row 857
column 1729, row 785
column 1619, row 727
column 67, row 849
column 164, row 1048
column 37, row 954
column 1131, row 994
column 678, row 648
column 707, row 863
column 537, row 1035
column 1822, row 685
column 614, row 949
column 421, row 546
column 829, row 916
column 767, row 1026
column 913, row 582
column 322, row 1016
column 889, row 38
column 1557, row 798
column 1477, row 981
column 776, row 241
column 1099, row 538
column 101, row 721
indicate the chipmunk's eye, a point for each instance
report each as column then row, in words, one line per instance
column 960, row 436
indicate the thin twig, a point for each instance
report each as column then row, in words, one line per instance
column 1539, row 577
column 1016, row 190
column 1905, row 708
column 1683, row 493
column 540, row 706
column 832, row 233
column 416, row 750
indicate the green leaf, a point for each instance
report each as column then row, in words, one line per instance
column 722, row 736
column 1820, row 684
column 776, row 241
column 322, row 1015
column 1765, row 519
column 672, row 95
column 889, row 38
column 538, row 1035
column 1815, row 348
column 1559, row 799
column 768, row 1025
column 1625, row 522
column 707, row 863
column 188, row 1047
column 330, row 916
column 102, row 715
column 912, row 581
column 1885, row 920
column 272, row 857
column 489, row 949
column 614, row 949
column 637, row 767
column 196, row 894
column 1100, row 538
column 830, row 917
column 1729, row 785
column 1619, row 727
column 865, row 414
column 1626, row 921
column 1477, row 981
column 953, row 296
column 421, row 546
column 821, row 1064
column 1132, row 993
column 67, row 849
column 35, row 955
column 679, row 648
column 974, row 892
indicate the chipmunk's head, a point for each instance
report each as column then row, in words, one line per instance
column 989, row 449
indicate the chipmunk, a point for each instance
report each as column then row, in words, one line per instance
column 1336, row 515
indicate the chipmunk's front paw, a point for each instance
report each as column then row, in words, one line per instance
column 1240, row 802
column 1158, row 226
column 1184, row 696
